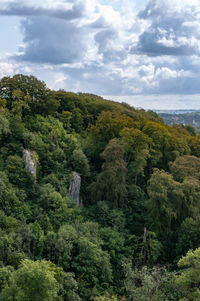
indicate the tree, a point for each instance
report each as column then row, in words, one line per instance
column 149, row 249
column 107, row 127
column 34, row 281
column 5, row 273
column 80, row 163
column 18, row 174
column 189, row 278
column 114, row 244
column 111, row 182
column 106, row 297
column 166, row 202
column 136, row 151
column 92, row 267
column 146, row 284
column 29, row 86
column 9, row 198
column 9, row 250
column 20, row 103
column 190, row 187
column 188, row 235
column 4, row 125
column 185, row 166
column 30, row 239
column 77, row 120
column 162, row 141
column 54, row 205
column 70, row 287
column 78, row 249
column 194, row 145
column 49, row 105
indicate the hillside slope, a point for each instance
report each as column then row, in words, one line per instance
column 138, row 207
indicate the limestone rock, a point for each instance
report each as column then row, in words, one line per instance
column 30, row 163
column 74, row 188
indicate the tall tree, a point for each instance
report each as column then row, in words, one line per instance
column 165, row 204
column 110, row 185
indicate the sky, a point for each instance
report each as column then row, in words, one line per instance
column 143, row 52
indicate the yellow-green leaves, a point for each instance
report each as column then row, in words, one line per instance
column 189, row 278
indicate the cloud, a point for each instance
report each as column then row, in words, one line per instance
column 160, row 102
column 168, row 32
column 62, row 10
column 53, row 41
column 6, row 69
column 157, row 41
column 98, row 35
column 105, row 47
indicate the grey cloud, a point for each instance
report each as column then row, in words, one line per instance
column 149, row 43
column 110, row 60
column 181, row 85
column 21, row 9
column 95, row 80
column 52, row 35
column 50, row 40
column 108, row 42
column 154, row 9
column 167, row 33
column 103, row 39
column 55, row 36
column 99, row 23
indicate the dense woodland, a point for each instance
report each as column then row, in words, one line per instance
column 135, row 237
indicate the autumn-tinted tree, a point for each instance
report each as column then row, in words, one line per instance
column 185, row 166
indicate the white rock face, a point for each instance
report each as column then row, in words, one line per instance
column 29, row 161
column 74, row 188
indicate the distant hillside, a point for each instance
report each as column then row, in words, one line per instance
column 190, row 118
column 180, row 111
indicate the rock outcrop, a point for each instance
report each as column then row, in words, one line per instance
column 30, row 163
column 74, row 188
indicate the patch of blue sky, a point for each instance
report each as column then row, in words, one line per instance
column 10, row 35
column 117, row 4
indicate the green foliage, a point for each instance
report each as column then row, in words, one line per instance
column 185, row 166
column 108, row 126
column 4, row 124
column 189, row 278
column 55, row 205
column 149, row 249
column 39, row 280
column 106, row 297
column 150, row 284
column 5, row 274
column 17, row 173
column 11, row 200
column 161, row 137
column 70, row 288
column 188, row 235
column 165, row 202
column 140, row 198
column 80, row 162
column 111, row 182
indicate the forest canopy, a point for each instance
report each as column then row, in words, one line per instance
column 135, row 232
